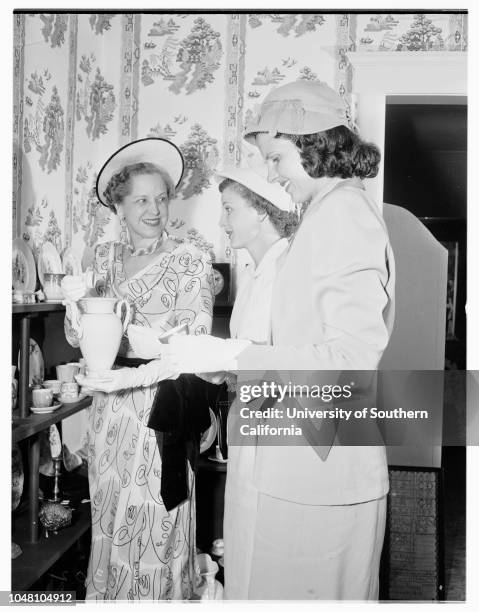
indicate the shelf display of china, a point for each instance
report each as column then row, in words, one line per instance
column 99, row 328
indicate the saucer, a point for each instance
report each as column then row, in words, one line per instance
column 46, row 409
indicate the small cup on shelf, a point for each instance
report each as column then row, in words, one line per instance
column 54, row 385
column 69, row 392
column 52, row 286
column 66, row 372
column 42, row 398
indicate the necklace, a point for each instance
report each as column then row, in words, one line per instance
column 125, row 238
column 154, row 246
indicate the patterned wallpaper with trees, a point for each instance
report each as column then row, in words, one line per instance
column 85, row 84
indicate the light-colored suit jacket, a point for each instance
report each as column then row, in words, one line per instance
column 333, row 309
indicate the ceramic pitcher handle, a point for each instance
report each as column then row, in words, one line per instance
column 75, row 317
column 118, row 310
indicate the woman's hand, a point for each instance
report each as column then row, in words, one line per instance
column 128, row 378
column 74, row 287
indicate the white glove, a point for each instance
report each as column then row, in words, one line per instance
column 128, row 378
column 203, row 353
column 74, row 287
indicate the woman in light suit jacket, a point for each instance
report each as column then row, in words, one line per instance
column 319, row 519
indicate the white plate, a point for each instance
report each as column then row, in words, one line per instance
column 49, row 261
column 36, row 369
column 24, row 275
column 46, row 410
column 209, row 436
column 71, row 262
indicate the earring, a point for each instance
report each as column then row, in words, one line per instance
column 124, row 235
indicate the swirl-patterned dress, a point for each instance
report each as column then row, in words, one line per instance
column 139, row 550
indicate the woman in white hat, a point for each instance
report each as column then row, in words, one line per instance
column 257, row 216
column 320, row 508
column 140, row 550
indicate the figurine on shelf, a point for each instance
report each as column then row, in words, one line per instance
column 54, row 516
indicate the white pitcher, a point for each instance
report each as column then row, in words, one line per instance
column 99, row 329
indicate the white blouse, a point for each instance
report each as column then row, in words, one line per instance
column 251, row 315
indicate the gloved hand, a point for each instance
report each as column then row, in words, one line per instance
column 128, row 378
column 74, row 287
column 144, row 341
column 203, row 353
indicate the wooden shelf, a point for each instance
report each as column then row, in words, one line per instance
column 34, row 308
column 37, row 558
column 24, row 428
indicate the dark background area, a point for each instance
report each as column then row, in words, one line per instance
column 425, row 171
column 425, row 158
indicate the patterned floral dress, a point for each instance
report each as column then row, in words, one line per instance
column 139, row 550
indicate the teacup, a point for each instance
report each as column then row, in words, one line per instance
column 54, row 385
column 42, row 398
column 67, row 372
column 69, row 392
column 52, row 286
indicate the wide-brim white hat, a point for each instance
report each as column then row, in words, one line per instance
column 255, row 180
column 158, row 151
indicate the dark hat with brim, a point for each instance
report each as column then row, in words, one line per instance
column 158, row 151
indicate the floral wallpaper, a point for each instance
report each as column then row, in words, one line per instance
column 86, row 84
column 389, row 32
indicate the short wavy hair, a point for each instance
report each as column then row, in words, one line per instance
column 337, row 152
column 119, row 185
column 283, row 221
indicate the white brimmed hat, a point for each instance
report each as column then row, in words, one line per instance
column 255, row 180
column 158, row 151
column 301, row 107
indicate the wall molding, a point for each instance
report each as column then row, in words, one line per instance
column 415, row 72
column 379, row 74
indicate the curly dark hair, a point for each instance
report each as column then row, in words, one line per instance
column 337, row 152
column 119, row 185
column 283, row 221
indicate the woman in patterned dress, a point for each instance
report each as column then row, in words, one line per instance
column 139, row 550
